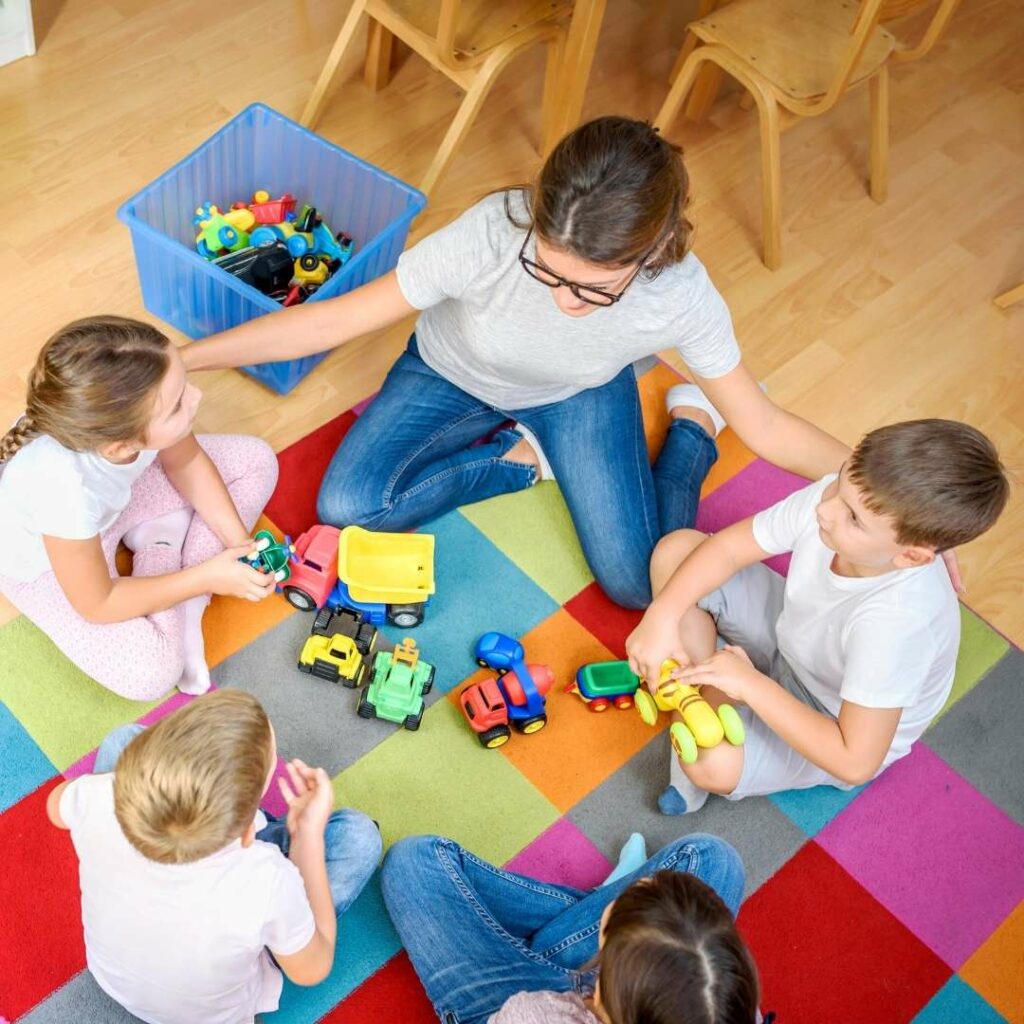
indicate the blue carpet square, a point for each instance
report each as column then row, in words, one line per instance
column 23, row 767
column 495, row 594
column 957, row 1003
column 812, row 809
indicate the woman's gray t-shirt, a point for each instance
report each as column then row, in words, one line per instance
column 495, row 332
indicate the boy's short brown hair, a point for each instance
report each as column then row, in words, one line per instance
column 191, row 783
column 939, row 481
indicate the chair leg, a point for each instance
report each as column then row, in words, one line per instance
column 549, row 104
column 704, row 93
column 879, row 87
column 463, row 121
column 379, row 48
column 1010, row 298
column 746, row 100
column 689, row 44
column 697, row 60
column 348, row 29
column 771, row 179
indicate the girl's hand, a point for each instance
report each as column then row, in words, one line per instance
column 729, row 670
column 655, row 639
column 224, row 574
column 309, row 797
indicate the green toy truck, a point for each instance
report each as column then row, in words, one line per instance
column 400, row 681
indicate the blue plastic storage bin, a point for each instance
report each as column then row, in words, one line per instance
column 260, row 148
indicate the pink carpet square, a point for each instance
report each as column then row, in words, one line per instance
column 752, row 489
column 940, row 856
column 361, row 407
column 562, row 855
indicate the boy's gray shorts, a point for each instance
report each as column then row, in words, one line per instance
column 745, row 609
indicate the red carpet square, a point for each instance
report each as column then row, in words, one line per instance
column 393, row 995
column 828, row 951
column 293, row 504
column 609, row 622
column 41, row 943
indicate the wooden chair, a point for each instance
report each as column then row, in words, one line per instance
column 796, row 58
column 469, row 41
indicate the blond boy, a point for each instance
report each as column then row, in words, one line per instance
column 186, row 888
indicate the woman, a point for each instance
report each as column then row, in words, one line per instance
column 489, row 945
column 533, row 306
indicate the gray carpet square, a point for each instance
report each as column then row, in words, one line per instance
column 81, row 1000
column 763, row 835
column 980, row 736
column 314, row 719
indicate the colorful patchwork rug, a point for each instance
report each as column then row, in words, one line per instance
column 900, row 901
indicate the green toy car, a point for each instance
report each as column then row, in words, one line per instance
column 399, row 683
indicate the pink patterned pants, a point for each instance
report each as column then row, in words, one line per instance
column 142, row 658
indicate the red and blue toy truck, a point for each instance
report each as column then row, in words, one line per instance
column 516, row 697
column 388, row 577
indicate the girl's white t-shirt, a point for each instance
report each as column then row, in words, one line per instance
column 49, row 490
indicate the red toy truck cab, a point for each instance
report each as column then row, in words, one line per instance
column 485, row 710
column 314, row 568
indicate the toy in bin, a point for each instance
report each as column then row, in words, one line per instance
column 399, row 681
column 270, row 556
column 603, row 684
column 702, row 725
column 388, row 577
column 516, row 696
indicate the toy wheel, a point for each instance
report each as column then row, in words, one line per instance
column 365, row 636
column 496, row 737
column 531, row 725
column 322, row 622
column 263, row 543
column 482, row 663
column 732, row 724
column 646, row 707
column 303, row 667
column 683, row 743
column 599, row 704
column 428, row 683
column 282, row 574
column 309, row 261
column 365, row 708
column 405, row 616
column 412, row 722
column 301, row 600
column 623, row 701
column 356, row 680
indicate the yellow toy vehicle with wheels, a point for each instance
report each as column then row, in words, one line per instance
column 335, row 658
column 702, row 725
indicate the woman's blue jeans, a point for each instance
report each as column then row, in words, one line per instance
column 477, row 935
column 411, row 457
column 352, row 843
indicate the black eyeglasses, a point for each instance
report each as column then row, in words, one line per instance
column 593, row 296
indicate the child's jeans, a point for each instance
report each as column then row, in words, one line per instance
column 142, row 658
column 410, row 457
column 352, row 842
column 477, row 935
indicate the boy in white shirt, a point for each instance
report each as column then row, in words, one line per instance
column 843, row 664
column 185, row 888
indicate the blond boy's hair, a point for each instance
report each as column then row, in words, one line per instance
column 191, row 783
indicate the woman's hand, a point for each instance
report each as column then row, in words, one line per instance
column 224, row 574
column 308, row 794
column 655, row 638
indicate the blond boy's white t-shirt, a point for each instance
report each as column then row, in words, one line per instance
column 887, row 641
column 180, row 944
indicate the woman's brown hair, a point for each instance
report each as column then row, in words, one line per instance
column 672, row 955
column 93, row 383
column 612, row 191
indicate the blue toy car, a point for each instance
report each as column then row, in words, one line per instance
column 498, row 651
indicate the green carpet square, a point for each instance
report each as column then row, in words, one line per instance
column 980, row 648
column 62, row 709
column 533, row 528
column 440, row 781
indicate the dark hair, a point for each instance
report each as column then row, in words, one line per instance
column 609, row 193
column 93, row 383
column 940, row 481
column 672, row 955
